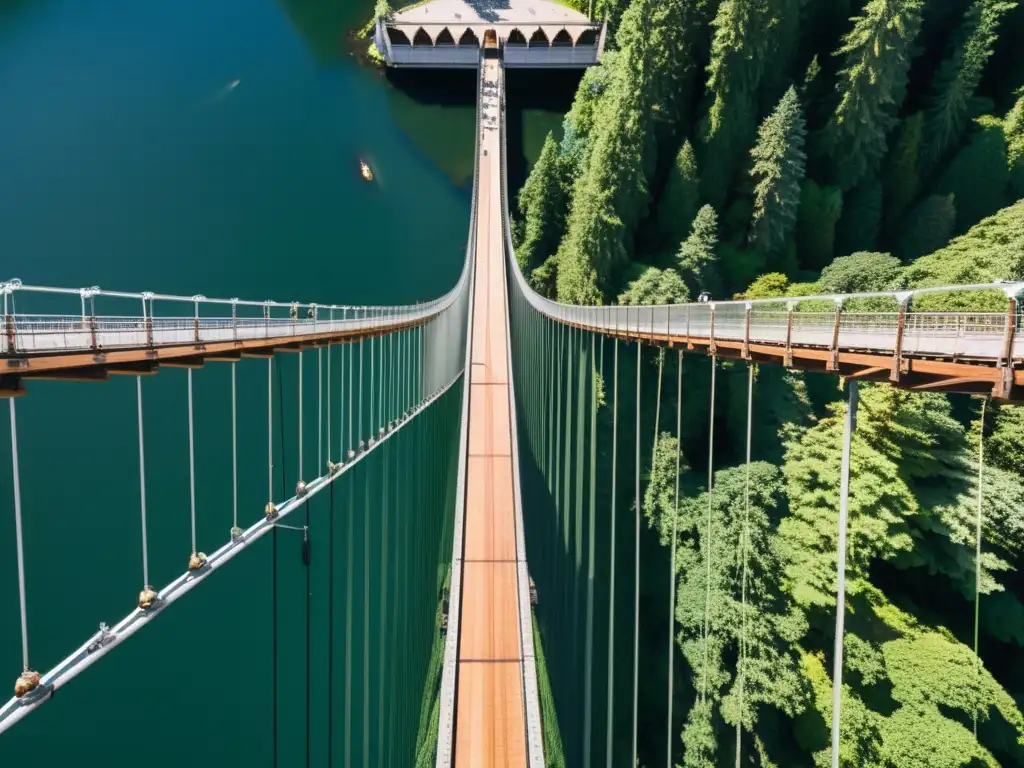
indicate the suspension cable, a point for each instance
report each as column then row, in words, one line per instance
column 636, row 609
column 319, row 410
column 142, row 489
column 611, row 591
column 361, row 433
column 235, row 530
column 589, row 652
column 849, row 426
column 744, row 550
column 299, row 419
column 977, row 545
column 707, row 547
column 270, row 433
column 20, row 539
column 191, row 464
column 672, row 556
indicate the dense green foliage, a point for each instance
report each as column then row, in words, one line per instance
column 773, row 148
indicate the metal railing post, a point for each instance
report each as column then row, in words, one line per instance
column 712, row 347
column 746, row 333
column 901, row 323
column 790, row 306
column 1005, row 363
column 234, row 319
column 833, row 360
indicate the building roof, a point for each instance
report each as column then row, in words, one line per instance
column 528, row 13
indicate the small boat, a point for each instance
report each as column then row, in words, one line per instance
column 364, row 169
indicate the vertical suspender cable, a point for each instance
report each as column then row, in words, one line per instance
column 270, row 431
column 672, row 555
column 191, row 463
column 707, row 543
column 19, row 537
column 301, row 475
column 361, row 433
column 329, row 397
column 235, row 530
column 611, row 592
column 373, row 412
column 142, row 487
column 588, row 684
column 319, row 409
column 844, row 492
column 636, row 545
column 744, row 547
column 330, row 615
column 977, row 545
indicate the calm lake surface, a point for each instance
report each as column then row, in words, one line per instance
column 210, row 147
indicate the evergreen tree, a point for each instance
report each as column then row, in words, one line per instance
column 862, row 273
column 992, row 250
column 820, row 209
column 543, row 204
column 697, row 253
column 959, row 74
column 861, row 221
column 748, row 615
column 902, row 173
column 656, row 287
column 738, row 51
column 681, row 198
column 609, row 197
column 1014, row 128
column 877, row 54
column 928, row 227
column 779, row 161
column 979, row 175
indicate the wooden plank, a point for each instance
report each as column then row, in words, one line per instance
column 490, row 509
column 489, row 599
column 491, row 730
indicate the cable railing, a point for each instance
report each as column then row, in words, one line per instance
column 211, row 321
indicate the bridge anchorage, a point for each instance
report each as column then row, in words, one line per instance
column 521, row 366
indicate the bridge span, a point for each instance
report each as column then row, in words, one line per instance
column 489, row 713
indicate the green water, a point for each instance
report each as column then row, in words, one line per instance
column 129, row 163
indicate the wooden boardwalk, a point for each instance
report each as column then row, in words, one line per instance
column 490, row 720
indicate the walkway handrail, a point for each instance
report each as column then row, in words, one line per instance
column 33, row 333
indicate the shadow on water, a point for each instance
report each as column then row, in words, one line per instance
column 536, row 101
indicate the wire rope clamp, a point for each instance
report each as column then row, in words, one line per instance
column 300, row 489
column 196, row 562
column 351, row 454
column 391, row 426
column 333, row 468
column 362, row 446
column 237, row 534
column 147, row 597
column 27, row 682
column 270, row 511
column 380, row 432
column 103, row 637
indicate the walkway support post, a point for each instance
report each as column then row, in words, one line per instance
column 901, row 322
column 833, row 360
column 1005, row 385
column 849, row 425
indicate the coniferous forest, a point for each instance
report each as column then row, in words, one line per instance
column 770, row 148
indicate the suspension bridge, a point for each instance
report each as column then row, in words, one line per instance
column 530, row 375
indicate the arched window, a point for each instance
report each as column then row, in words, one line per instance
column 515, row 37
column 468, row 38
column 587, row 37
column 445, row 38
column 538, row 37
column 563, row 38
column 421, row 38
column 397, row 36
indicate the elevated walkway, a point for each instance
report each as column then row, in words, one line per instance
column 491, row 716
column 448, row 34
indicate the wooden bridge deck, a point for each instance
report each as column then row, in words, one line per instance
column 490, row 720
